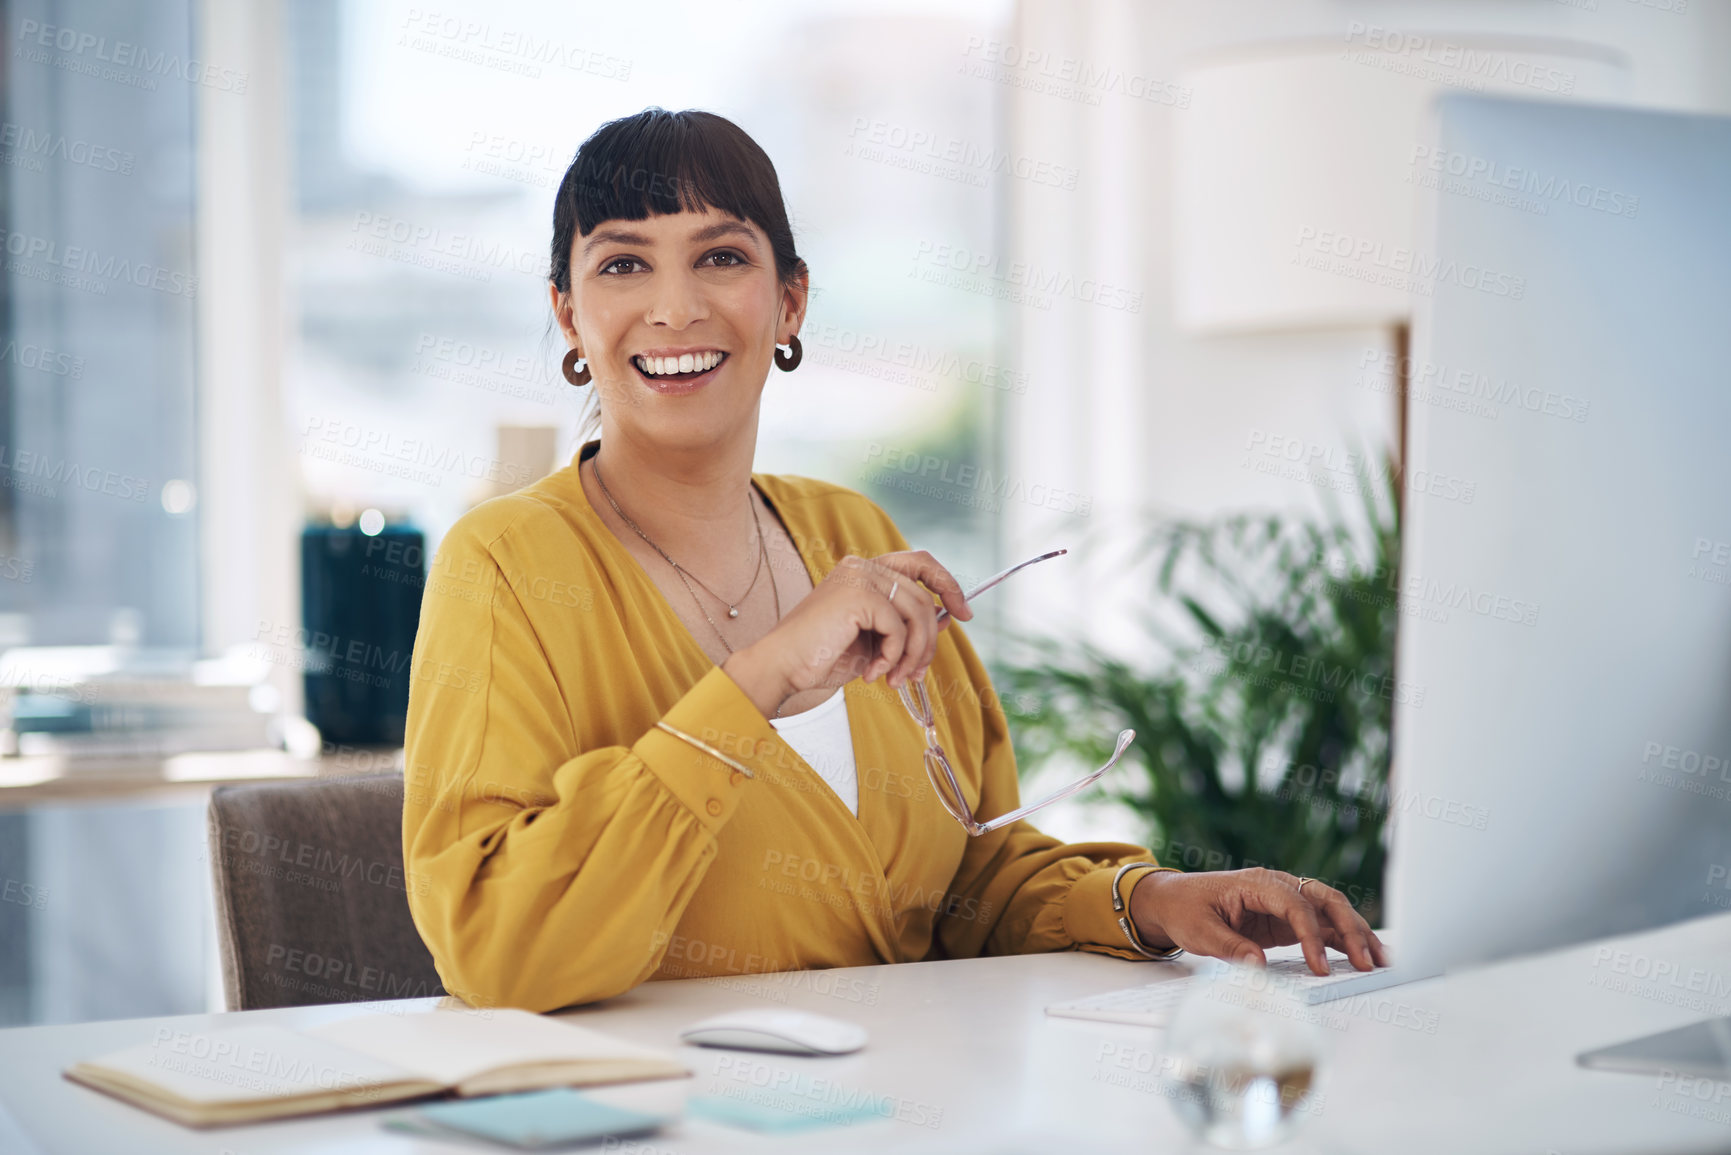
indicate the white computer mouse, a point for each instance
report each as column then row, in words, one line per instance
column 773, row 1029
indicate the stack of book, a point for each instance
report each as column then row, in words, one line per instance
column 107, row 703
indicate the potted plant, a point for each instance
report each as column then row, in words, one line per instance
column 1262, row 721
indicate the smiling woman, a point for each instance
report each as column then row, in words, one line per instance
column 688, row 187
column 606, row 795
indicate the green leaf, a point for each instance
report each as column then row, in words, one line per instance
column 1246, row 731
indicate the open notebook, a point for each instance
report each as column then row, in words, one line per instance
column 245, row 1074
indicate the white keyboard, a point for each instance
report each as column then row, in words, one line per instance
column 1152, row 1005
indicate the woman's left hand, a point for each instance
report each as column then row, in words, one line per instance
column 1234, row 914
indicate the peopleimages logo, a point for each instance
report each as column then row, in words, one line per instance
column 973, row 479
column 78, row 260
column 856, row 350
column 1688, row 761
column 59, row 471
column 1473, row 386
column 959, row 263
column 1369, row 260
column 1448, row 62
column 122, row 54
column 1545, row 186
column 504, row 49
column 439, row 248
column 1459, row 595
column 353, row 444
column 510, row 158
column 47, row 360
column 1295, row 669
column 1070, row 77
column 1324, row 787
column 926, row 151
column 1709, row 561
column 26, row 144
column 1296, row 459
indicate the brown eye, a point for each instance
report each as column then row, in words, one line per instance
column 614, row 264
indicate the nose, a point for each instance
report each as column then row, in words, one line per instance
column 677, row 299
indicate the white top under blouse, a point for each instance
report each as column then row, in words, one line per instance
column 824, row 738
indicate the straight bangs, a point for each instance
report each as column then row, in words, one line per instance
column 659, row 163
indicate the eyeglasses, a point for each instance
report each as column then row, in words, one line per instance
column 938, row 769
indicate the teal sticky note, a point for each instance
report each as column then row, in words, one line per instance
column 538, row 1119
column 777, row 1113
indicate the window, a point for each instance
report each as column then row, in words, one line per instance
column 153, row 476
column 428, row 147
column 97, row 312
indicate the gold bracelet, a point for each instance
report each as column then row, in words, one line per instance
column 1128, row 927
column 706, row 748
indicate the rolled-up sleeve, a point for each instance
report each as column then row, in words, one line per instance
column 1047, row 894
column 1017, row 890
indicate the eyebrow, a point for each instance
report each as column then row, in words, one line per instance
column 708, row 233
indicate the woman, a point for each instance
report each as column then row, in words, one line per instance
column 599, row 788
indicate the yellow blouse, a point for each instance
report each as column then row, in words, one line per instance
column 561, row 847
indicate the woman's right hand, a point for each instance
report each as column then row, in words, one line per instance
column 849, row 626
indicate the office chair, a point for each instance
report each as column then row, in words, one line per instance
column 311, row 896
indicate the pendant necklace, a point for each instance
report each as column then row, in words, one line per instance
column 687, row 578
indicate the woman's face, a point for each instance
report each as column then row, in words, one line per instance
column 678, row 317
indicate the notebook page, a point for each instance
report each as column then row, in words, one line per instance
column 244, row 1064
column 453, row 1046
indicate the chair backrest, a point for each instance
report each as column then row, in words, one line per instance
column 311, row 897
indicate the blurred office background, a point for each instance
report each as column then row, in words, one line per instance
column 273, row 264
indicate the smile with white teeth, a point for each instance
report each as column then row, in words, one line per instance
column 684, row 363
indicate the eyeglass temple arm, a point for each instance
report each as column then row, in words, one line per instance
column 1125, row 737
column 943, row 614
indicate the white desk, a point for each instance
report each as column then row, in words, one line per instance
column 967, row 1044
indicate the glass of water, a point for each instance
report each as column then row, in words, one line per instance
column 1244, row 1058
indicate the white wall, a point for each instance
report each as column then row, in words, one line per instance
column 248, row 503
column 1125, row 408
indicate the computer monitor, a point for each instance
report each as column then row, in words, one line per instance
column 1566, row 598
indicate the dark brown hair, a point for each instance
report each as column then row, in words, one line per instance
column 660, row 162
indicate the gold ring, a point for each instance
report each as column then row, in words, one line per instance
column 1301, row 883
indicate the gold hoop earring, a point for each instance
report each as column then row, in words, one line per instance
column 576, row 376
column 791, row 362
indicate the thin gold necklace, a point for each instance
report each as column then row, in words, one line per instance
column 732, row 607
